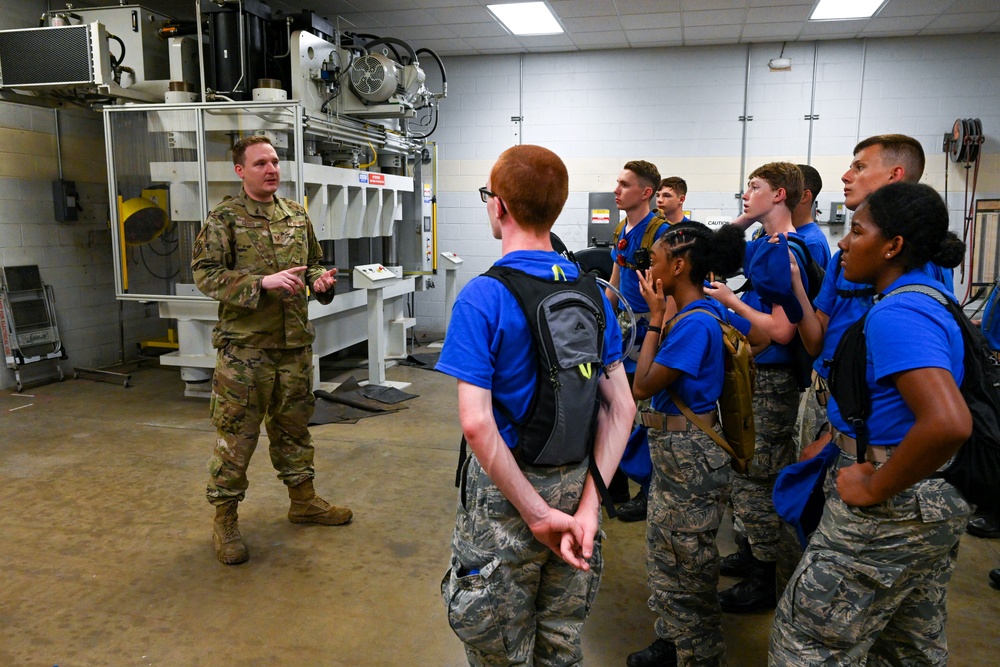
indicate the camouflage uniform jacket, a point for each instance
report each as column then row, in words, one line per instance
column 236, row 248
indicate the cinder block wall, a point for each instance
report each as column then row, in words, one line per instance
column 679, row 108
column 75, row 258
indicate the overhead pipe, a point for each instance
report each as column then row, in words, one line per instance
column 746, row 119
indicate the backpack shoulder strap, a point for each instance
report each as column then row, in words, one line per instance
column 800, row 245
column 814, row 270
column 683, row 407
column 681, row 316
column 653, row 226
column 619, row 228
column 932, row 292
column 701, row 423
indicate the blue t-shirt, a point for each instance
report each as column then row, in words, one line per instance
column 942, row 275
column 816, row 243
column 842, row 311
column 629, row 282
column 932, row 340
column 488, row 343
column 695, row 347
column 775, row 353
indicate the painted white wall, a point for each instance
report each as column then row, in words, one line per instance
column 679, row 108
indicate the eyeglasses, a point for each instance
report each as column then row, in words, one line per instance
column 485, row 194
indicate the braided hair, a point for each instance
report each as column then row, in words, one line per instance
column 719, row 252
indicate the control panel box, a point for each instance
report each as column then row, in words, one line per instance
column 451, row 260
column 372, row 276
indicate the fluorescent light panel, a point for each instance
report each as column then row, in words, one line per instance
column 833, row 10
column 527, row 18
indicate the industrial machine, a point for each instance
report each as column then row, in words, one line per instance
column 350, row 116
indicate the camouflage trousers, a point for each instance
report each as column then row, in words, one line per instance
column 252, row 385
column 872, row 585
column 509, row 598
column 687, row 498
column 812, row 416
column 775, row 405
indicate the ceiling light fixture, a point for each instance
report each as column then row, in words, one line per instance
column 781, row 63
column 526, row 18
column 841, row 10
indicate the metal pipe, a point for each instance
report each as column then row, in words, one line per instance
column 201, row 49
column 520, row 100
column 861, row 87
column 812, row 103
column 434, row 209
column 746, row 106
column 55, row 113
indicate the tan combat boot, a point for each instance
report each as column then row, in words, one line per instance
column 229, row 547
column 307, row 507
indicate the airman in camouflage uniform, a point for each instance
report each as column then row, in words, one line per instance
column 775, row 404
column 687, row 500
column 873, row 580
column 249, row 256
column 526, row 557
column 493, row 584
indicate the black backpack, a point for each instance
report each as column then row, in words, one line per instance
column 975, row 472
column 566, row 319
column 567, row 323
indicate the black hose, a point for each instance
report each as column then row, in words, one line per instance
column 121, row 58
column 444, row 75
column 389, row 41
column 436, row 112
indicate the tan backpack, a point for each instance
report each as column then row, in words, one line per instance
column 736, row 400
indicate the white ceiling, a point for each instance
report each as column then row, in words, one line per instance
column 465, row 27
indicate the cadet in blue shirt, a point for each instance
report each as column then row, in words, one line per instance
column 691, row 473
column 878, row 161
column 636, row 186
column 773, row 191
column 889, row 533
column 803, row 215
column 526, row 555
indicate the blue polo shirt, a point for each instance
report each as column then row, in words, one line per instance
column 932, row 340
column 629, row 283
column 489, row 345
column 695, row 347
column 843, row 311
column 816, row 243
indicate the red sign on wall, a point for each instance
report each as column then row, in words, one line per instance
column 376, row 179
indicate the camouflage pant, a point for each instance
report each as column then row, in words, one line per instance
column 812, row 415
column 775, row 405
column 872, row 585
column 687, row 499
column 251, row 385
column 510, row 599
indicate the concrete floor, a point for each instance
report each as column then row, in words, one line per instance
column 106, row 553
